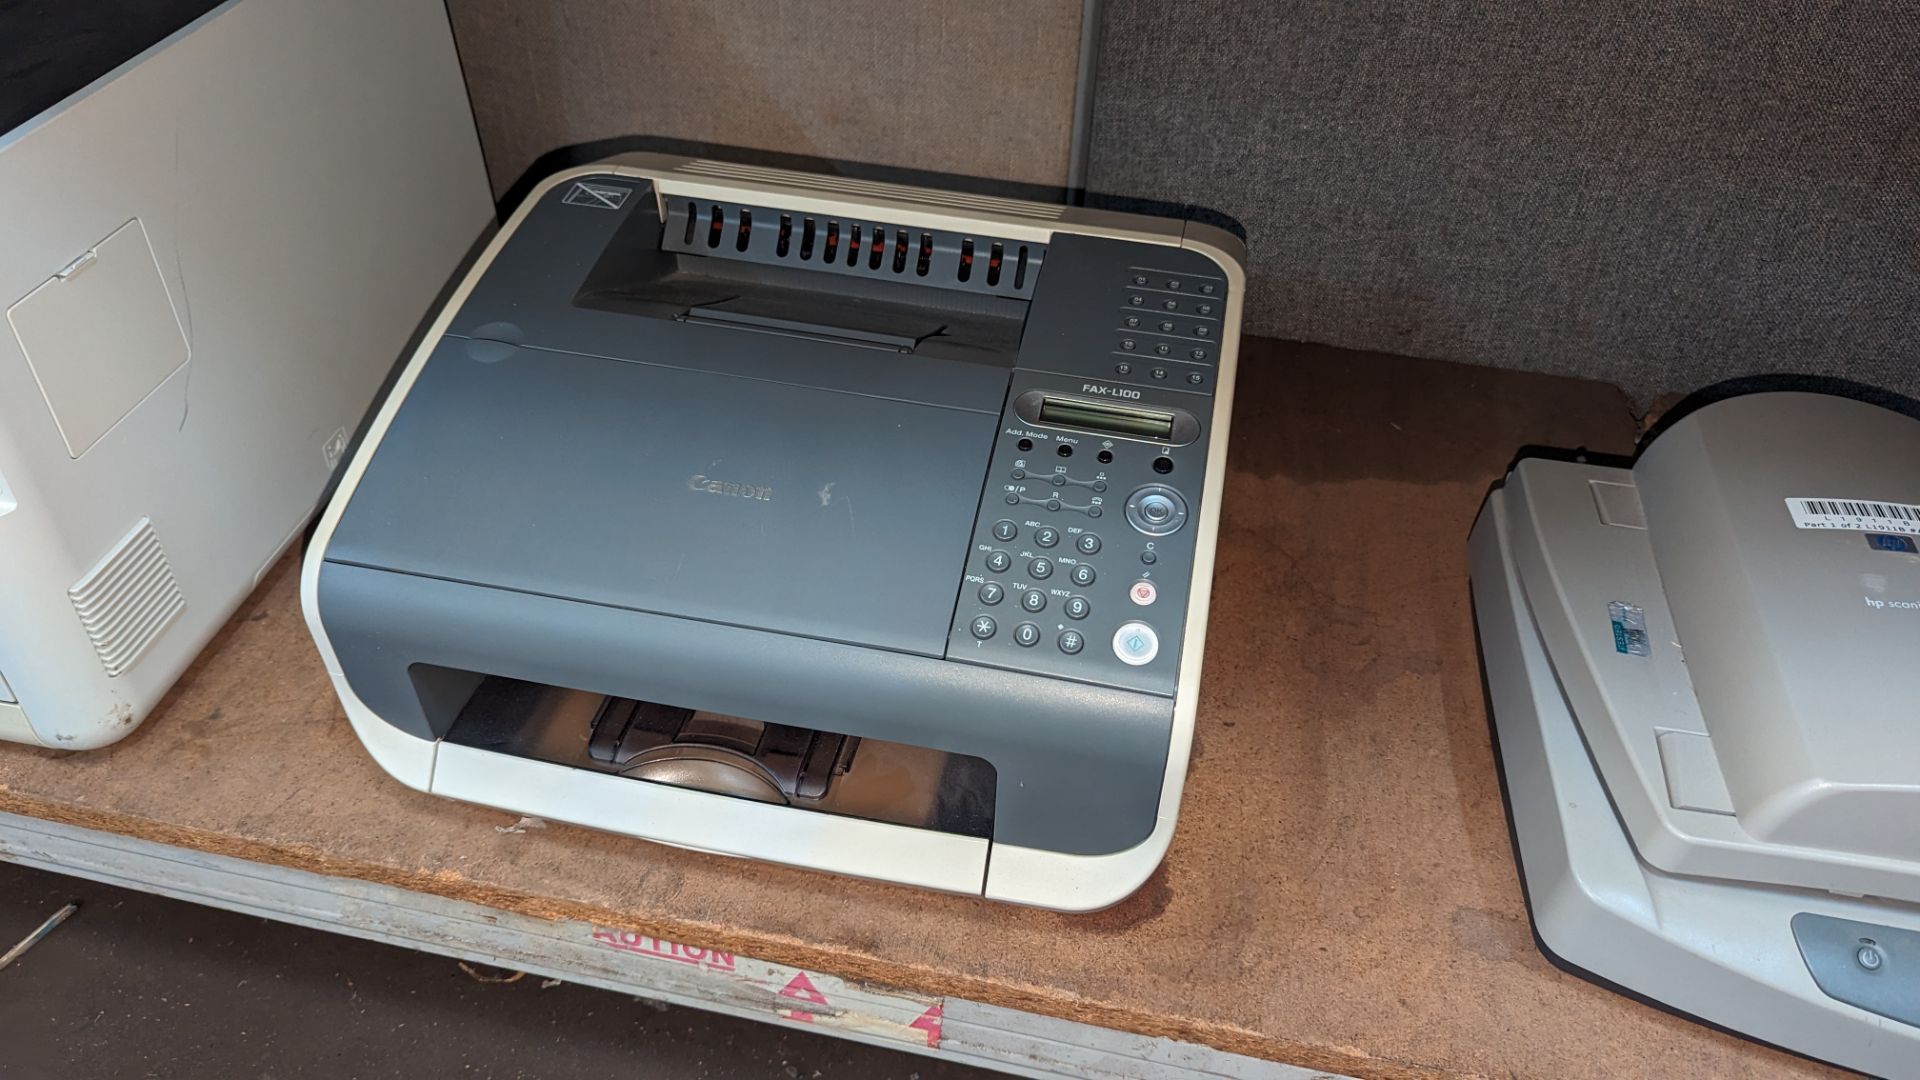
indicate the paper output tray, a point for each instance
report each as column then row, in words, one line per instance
column 804, row 770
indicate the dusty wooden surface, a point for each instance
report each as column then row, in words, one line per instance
column 1341, row 893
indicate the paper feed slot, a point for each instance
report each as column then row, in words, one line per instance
column 641, row 273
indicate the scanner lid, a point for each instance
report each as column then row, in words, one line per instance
column 1786, row 530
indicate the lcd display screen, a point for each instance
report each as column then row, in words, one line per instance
column 1120, row 420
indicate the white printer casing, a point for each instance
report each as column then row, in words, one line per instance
column 1702, row 672
column 212, row 255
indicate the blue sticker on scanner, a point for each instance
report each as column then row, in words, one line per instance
column 1890, row 542
column 1629, row 630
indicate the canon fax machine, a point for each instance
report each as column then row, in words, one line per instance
column 1704, row 673
column 803, row 518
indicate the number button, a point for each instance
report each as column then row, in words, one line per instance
column 991, row 592
column 1077, row 607
column 999, row 562
column 1088, row 544
column 1027, row 634
column 1041, row 569
column 1033, row 600
column 983, row 627
column 1004, row 530
column 1071, row 642
column 1047, row 537
column 1083, row 575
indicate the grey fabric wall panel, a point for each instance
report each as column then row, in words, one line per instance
column 1655, row 194
column 983, row 88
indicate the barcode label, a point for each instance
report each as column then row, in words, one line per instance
column 1860, row 515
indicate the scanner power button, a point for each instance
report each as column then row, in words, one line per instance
column 1135, row 643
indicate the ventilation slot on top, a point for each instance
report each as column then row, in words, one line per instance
column 949, row 260
column 127, row 599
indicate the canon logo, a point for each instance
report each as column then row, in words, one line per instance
column 700, row 482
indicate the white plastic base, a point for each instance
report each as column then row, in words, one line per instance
column 14, row 726
column 1720, row 951
column 718, row 825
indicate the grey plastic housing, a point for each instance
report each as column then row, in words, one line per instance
column 787, row 521
column 1759, row 727
column 1730, row 952
column 1800, row 643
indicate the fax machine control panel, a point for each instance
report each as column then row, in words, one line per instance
column 1082, row 557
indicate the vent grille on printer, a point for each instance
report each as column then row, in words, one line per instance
column 851, row 245
column 127, row 599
